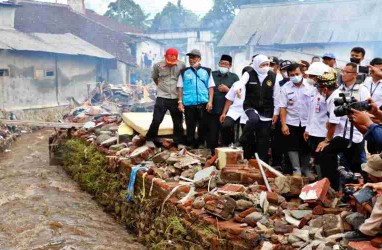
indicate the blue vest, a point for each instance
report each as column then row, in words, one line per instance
column 195, row 85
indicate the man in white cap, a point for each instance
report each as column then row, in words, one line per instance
column 315, row 131
column 373, row 225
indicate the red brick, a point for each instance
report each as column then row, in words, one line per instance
column 377, row 242
column 316, row 191
column 234, row 229
column 211, row 161
column 304, row 221
column 238, row 219
column 249, row 235
column 234, row 188
column 247, row 212
column 281, row 228
column 362, row 245
column 273, row 197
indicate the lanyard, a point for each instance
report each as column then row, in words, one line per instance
column 371, row 89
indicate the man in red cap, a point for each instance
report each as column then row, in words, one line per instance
column 165, row 75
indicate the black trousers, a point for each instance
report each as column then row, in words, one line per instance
column 196, row 117
column 329, row 160
column 228, row 130
column 262, row 131
column 279, row 152
column 213, row 133
column 162, row 105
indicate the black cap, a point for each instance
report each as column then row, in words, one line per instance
column 226, row 58
column 376, row 61
column 274, row 60
column 285, row 64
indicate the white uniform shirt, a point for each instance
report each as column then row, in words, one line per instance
column 241, row 85
column 375, row 90
column 318, row 116
column 343, row 122
column 236, row 109
column 276, row 95
column 296, row 100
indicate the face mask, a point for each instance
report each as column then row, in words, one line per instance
column 196, row 65
column 310, row 81
column 223, row 70
column 296, row 79
column 285, row 74
column 355, row 60
column 264, row 70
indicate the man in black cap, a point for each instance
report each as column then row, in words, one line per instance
column 224, row 80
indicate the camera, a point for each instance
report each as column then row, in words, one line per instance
column 344, row 104
column 363, row 70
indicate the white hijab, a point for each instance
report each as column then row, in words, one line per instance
column 257, row 61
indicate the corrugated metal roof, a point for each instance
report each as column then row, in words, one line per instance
column 306, row 23
column 54, row 43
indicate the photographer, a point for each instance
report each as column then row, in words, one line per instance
column 339, row 136
column 373, row 225
column 363, row 121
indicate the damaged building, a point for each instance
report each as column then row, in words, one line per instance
column 36, row 71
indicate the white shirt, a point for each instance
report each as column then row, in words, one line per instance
column 211, row 82
column 343, row 122
column 277, row 94
column 296, row 100
column 375, row 90
column 318, row 116
column 244, row 80
column 236, row 109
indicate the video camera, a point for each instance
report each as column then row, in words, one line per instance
column 344, row 104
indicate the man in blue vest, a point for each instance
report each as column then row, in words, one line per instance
column 195, row 94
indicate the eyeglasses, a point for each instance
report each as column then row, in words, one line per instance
column 347, row 72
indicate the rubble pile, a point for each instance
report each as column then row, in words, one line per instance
column 230, row 194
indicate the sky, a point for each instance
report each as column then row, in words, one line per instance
column 200, row 7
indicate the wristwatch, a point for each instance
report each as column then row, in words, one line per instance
column 180, row 101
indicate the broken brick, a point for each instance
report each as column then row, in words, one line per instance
column 273, row 197
column 316, row 191
column 280, row 228
column 232, row 188
column 222, row 207
column 247, row 212
column 377, row 242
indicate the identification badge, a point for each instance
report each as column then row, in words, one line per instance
column 317, row 107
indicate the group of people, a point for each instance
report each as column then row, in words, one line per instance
column 288, row 113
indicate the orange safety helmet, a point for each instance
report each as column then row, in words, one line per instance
column 171, row 56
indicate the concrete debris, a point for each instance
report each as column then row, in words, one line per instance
column 355, row 220
column 221, row 206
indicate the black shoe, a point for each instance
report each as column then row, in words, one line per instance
column 357, row 236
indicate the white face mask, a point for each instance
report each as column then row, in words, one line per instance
column 296, row 79
column 310, row 81
column 264, row 70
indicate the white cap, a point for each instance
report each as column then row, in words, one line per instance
column 317, row 69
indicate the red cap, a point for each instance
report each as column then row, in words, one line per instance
column 172, row 52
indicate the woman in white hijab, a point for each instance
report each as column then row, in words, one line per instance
column 259, row 99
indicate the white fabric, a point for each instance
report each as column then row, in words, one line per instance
column 318, row 116
column 361, row 93
column 296, row 100
column 257, row 61
column 236, row 109
column 276, row 94
column 375, row 90
column 211, row 82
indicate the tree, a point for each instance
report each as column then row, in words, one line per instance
column 174, row 18
column 128, row 12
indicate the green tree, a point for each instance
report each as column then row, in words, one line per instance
column 174, row 17
column 128, row 12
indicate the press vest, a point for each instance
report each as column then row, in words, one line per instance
column 195, row 85
column 260, row 97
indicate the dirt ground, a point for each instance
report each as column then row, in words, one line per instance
column 42, row 208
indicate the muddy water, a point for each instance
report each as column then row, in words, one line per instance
column 42, row 208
